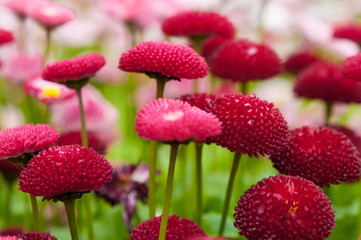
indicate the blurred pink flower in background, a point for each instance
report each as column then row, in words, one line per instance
column 141, row 12
column 101, row 116
column 49, row 14
column 20, row 67
column 47, row 92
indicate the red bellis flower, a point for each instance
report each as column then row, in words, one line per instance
column 351, row 31
column 164, row 60
column 177, row 228
column 63, row 170
column 243, row 61
column 169, row 120
column 26, row 139
column 198, row 24
column 299, row 61
column 321, row 155
column 324, row 81
column 351, row 67
column 75, row 69
column 36, row 236
column 249, row 125
column 284, row 208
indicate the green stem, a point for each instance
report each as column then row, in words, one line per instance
column 328, row 113
column 236, row 159
column 34, row 206
column 47, row 45
column 70, row 213
column 84, row 137
column 8, row 197
column 198, row 218
column 160, row 88
column 244, row 88
column 168, row 190
column 197, row 44
column 152, row 175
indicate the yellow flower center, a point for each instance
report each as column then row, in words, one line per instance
column 292, row 208
column 51, row 93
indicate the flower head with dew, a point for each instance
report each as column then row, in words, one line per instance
column 284, row 207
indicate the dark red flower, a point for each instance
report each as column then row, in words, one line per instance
column 169, row 120
column 284, row 208
column 9, row 170
column 202, row 101
column 211, row 46
column 36, row 236
column 351, row 31
column 26, row 139
column 321, row 155
column 244, row 61
column 250, row 125
column 63, row 170
column 299, row 61
column 5, row 36
column 198, row 24
column 351, row 67
column 10, row 238
column 209, row 238
column 75, row 69
column 177, row 228
column 324, row 81
column 70, row 138
column 164, row 60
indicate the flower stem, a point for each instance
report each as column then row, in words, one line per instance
column 236, row 159
column 70, row 213
column 34, row 206
column 198, row 218
column 8, row 197
column 243, row 88
column 152, row 175
column 168, row 190
column 84, row 137
column 328, row 113
column 84, row 140
column 160, row 88
column 47, row 45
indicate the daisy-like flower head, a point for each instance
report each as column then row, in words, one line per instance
column 169, row 120
column 177, row 228
column 5, row 36
column 283, row 208
column 70, row 138
column 324, row 81
column 11, row 231
column 211, row 46
column 9, row 170
column 351, row 31
column 209, row 238
column 351, row 67
column 299, row 61
column 202, row 101
column 50, row 15
column 244, row 61
column 47, row 92
column 198, row 24
column 321, row 155
column 250, row 125
column 74, row 70
column 36, row 236
column 24, row 141
column 164, row 60
column 20, row 7
column 66, row 171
